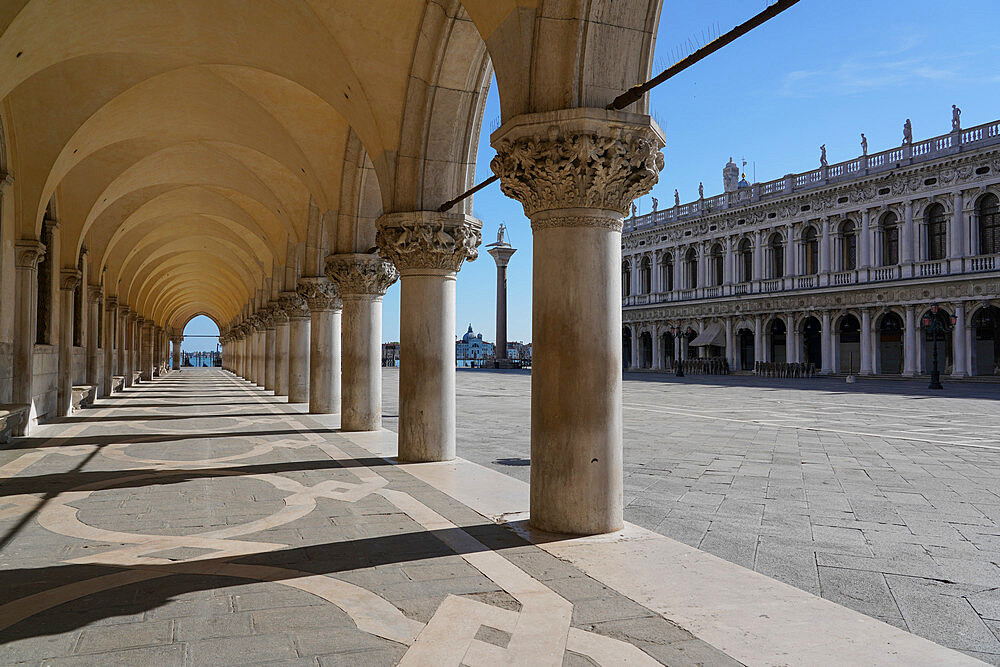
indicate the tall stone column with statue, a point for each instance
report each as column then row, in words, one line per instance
column 576, row 172
column 428, row 248
column 324, row 343
column 501, row 251
column 362, row 280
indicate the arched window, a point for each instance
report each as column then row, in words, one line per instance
column 848, row 246
column 777, row 256
column 626, row 279
column 988, row 211
column 746, row 260
column 890, row 239
column 718, row 265
column 667, row 273
column 810, row 248
column 646, row 276
column 691, row 259
column 937, row 232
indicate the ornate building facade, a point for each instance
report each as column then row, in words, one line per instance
column 837, row 267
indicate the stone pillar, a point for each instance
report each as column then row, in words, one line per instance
column 656, row 348
column 959, row 336
column 677, row 348
column 758, row 255
column 270, row 347
column 502, row 253
column 791, row 338
column 157, row 351
column 93, row 352
column 824, row 250
column 907, row 241
column 110, row 309
column 428, row 249
column 68, row 280
column 27, row 254
column 259, row 335
column 826, row 344
column 910, row 337
column 128, row 342
column 758, row 339
column 362, row 280
column 633, row 362
column 576, row 171
column 731, row 356
column 297, row 310
column 280, row 351
column 145, row 348
column 866, row 342
column 135, row 351
column 176, row 357
column 121, row 315
column 324, row 343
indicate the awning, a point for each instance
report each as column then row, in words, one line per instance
column 712, row 335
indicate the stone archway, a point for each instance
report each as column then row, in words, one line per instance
column 745, row 349
column 986, row 341
column 889, row 344
column 777, row 334
column 812, row 343
column 943, row 342
column 645, row 350
column 848, row 344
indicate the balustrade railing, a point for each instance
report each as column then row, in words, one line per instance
column 884, row 273
column 712, row 292
column 741, row 288
column 772, row 285
column 844, row 278
column 805, row 282
column 925, row 269
column 983, row 263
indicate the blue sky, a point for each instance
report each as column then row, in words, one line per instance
column 822, row 72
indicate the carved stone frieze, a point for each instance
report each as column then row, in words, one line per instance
column 428, row 240
column 319, row 293
column 577, row 158
column 361, row 274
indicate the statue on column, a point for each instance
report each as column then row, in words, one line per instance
column 822, row 155
column 907, row 132
column 701, row 190
column 500, row 233
column 655, row 204
column 956, row 118
column 864, row 144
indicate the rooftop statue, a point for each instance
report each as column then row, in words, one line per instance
column 956, row 118
column 677, row 198
column 656, row 203
column 907, row 132
column 822, row 155
column 864, row 144
column 701, row 190
column 500, row 233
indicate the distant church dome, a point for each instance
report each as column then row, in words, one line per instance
column 743, row 183
column 469, row 335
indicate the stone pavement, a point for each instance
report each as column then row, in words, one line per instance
column 881, row 496
column 196, row 520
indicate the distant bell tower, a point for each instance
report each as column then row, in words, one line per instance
column 730, row 176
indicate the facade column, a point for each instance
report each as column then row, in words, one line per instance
column 910, row 333
column 791, row 338
column 259, row 334
column 128, row 343
column 270, row 347
column 826, row 344
column 27, row 254
column 176, row 356
column 907, row 241
column 789, row 255
column 960, row 367
column 731, row 357
column 427, row 248
column 362, row 280
column 678, row 268
column 677, row 348
column 280, row 351
column 758, row 339
column 866, row 342
column 956, row 234
column 656, row 348
column 576, row 210
column 825, row 247
column 324, row 343
column 121, row 315
column 297, row 310
column 865, row 247
column 157, row 351
column 68, row 280
column 134, row 349
column 633, row 362
column 145, row 348
column 108, row 379
column 93, row 352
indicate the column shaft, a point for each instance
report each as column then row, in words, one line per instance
column 298, row 360
column 64, row 391
column 910, row 333
column 281, row 358
column 270, row 349
column 866, row 342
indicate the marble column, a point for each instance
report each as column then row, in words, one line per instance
column 280, row 351
column 27, row 254
column 576, row 172
column 108, row 379
column 910, row 334
column 297, row 310
column 959, row 337
column 145, row 348
column 362, row 280
column 656, row 349
column 907, row 241
column 826, row 344
column 428, row 250
column 93, row 351
column 259, row 334
column 731, row 357
column 157, row 351
column 866, row 342
column 270, row 347
column 135, row 348
column 864, row 248
column 68, row 280
column 956, row 235
column 758, row 339
column 501, row 253
column 121, row 317
column 825, row 247
column 129, row 343
column 758, row 255
column 633, row 362
column 324, row 343
column 791, row 339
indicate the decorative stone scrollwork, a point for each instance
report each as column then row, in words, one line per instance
column 578, row 158
column 359, row 274
column 266, row 315
column 294, row 306
column 319, row 293
column 428, row 240
column 69, row 279
column 278, row 313
column 27, row 254
column 256, row 323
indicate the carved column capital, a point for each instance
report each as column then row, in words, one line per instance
column 69, row 279
column 577, row 159
column 294, row 306
column 428, row 239
column 256, row 323
column 361, row 274
column 27, row 254
column 266, row 315
column 278, row 313
column 110, row 303
column 320, row 293
column 95, row 293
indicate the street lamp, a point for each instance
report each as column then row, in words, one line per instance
column 933, row 325
column 676, row 331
